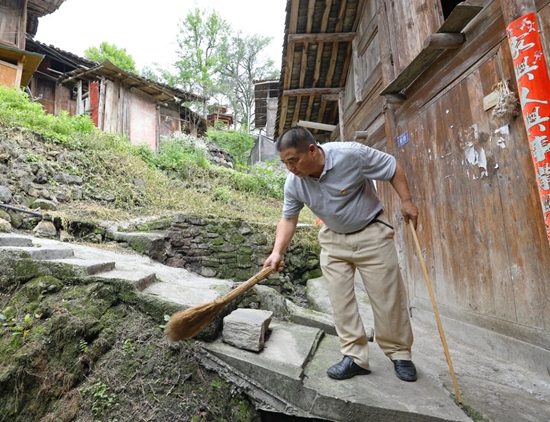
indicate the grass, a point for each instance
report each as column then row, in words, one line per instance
column 177, row 179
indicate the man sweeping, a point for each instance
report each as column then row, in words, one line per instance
column 335, row 181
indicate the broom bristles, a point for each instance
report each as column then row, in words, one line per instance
column 186, row 324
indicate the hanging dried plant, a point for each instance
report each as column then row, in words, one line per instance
column 507, row 104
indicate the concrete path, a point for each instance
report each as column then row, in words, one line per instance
column 288, row 376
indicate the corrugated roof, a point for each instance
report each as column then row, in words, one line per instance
column 161, row 92
column 62, row 55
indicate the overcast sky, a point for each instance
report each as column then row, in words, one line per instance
column 148, row 30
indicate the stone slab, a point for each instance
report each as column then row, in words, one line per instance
column 46, row 253
column 380, row 396
column 187, row 297
column 246, row 328
column 140, row 278
column 92, row 267
column 14, row 241
column 287, row 349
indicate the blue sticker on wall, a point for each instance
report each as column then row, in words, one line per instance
column 402, row 139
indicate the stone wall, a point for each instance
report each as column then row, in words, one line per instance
column 234, row 249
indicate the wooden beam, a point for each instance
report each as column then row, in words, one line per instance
column 461, row 15
column 329, row 81
column 311, row 91
column 315, row 125
column 341, row 111
column 444, row 41
column 358, row 75
column 330, row 97
column 361, row 135
column 288, row 67
column 395, row 98
column 318, row 37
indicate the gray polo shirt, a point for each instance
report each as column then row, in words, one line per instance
column 344, row 196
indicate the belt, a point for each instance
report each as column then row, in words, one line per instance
column 374, row 220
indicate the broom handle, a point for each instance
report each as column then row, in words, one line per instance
column 245, row 286
column 436, row 312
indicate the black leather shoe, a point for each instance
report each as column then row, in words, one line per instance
column 345, row 369
column 405, row 370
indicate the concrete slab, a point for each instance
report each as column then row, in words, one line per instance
column 44, row 253
column 185, row 297
column 492, row 389
column 379, row 396
column 140, row 278
column 15, row 241
column 287, row 349
column 91, row 266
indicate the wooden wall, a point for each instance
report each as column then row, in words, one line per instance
column 12, row 23
column 363, row 104
column 143, row 119
column 481, row 225
column 411, row 22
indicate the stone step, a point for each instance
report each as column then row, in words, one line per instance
column 379, row 396
column 140, row 278
column 90, row 266
column 15, row 241
column 273, row 376
column 44, row 253
column 191, row 292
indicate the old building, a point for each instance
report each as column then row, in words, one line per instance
column 435, row 84
column 118, row 101
column 17, row 19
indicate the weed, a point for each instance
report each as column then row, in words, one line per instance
column 166, row 319
column 83, row 346
column 18, row 111
column 223, row 195
column 103, row 398
column 128, row 348
column 18, row 326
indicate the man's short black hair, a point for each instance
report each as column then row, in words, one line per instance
column 295, row 137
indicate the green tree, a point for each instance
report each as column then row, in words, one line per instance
column 200, row 40
column 117, row 56
column 242, row 65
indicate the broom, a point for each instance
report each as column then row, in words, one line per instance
column 187, row 324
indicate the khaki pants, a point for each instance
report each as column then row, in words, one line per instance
column 372, row 252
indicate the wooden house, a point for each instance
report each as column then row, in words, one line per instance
column 17, row 19
column 220, row 116
column 266, row 93
column 118, row 101
column 126, row 103
column 421, row 80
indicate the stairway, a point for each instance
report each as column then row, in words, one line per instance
column 289, row 375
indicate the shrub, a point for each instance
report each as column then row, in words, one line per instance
column 237, row 143
column 17, row 110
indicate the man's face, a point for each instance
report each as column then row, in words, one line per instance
column 302, row 164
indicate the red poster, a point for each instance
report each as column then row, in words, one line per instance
column 534, row 91
column 94, row 102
